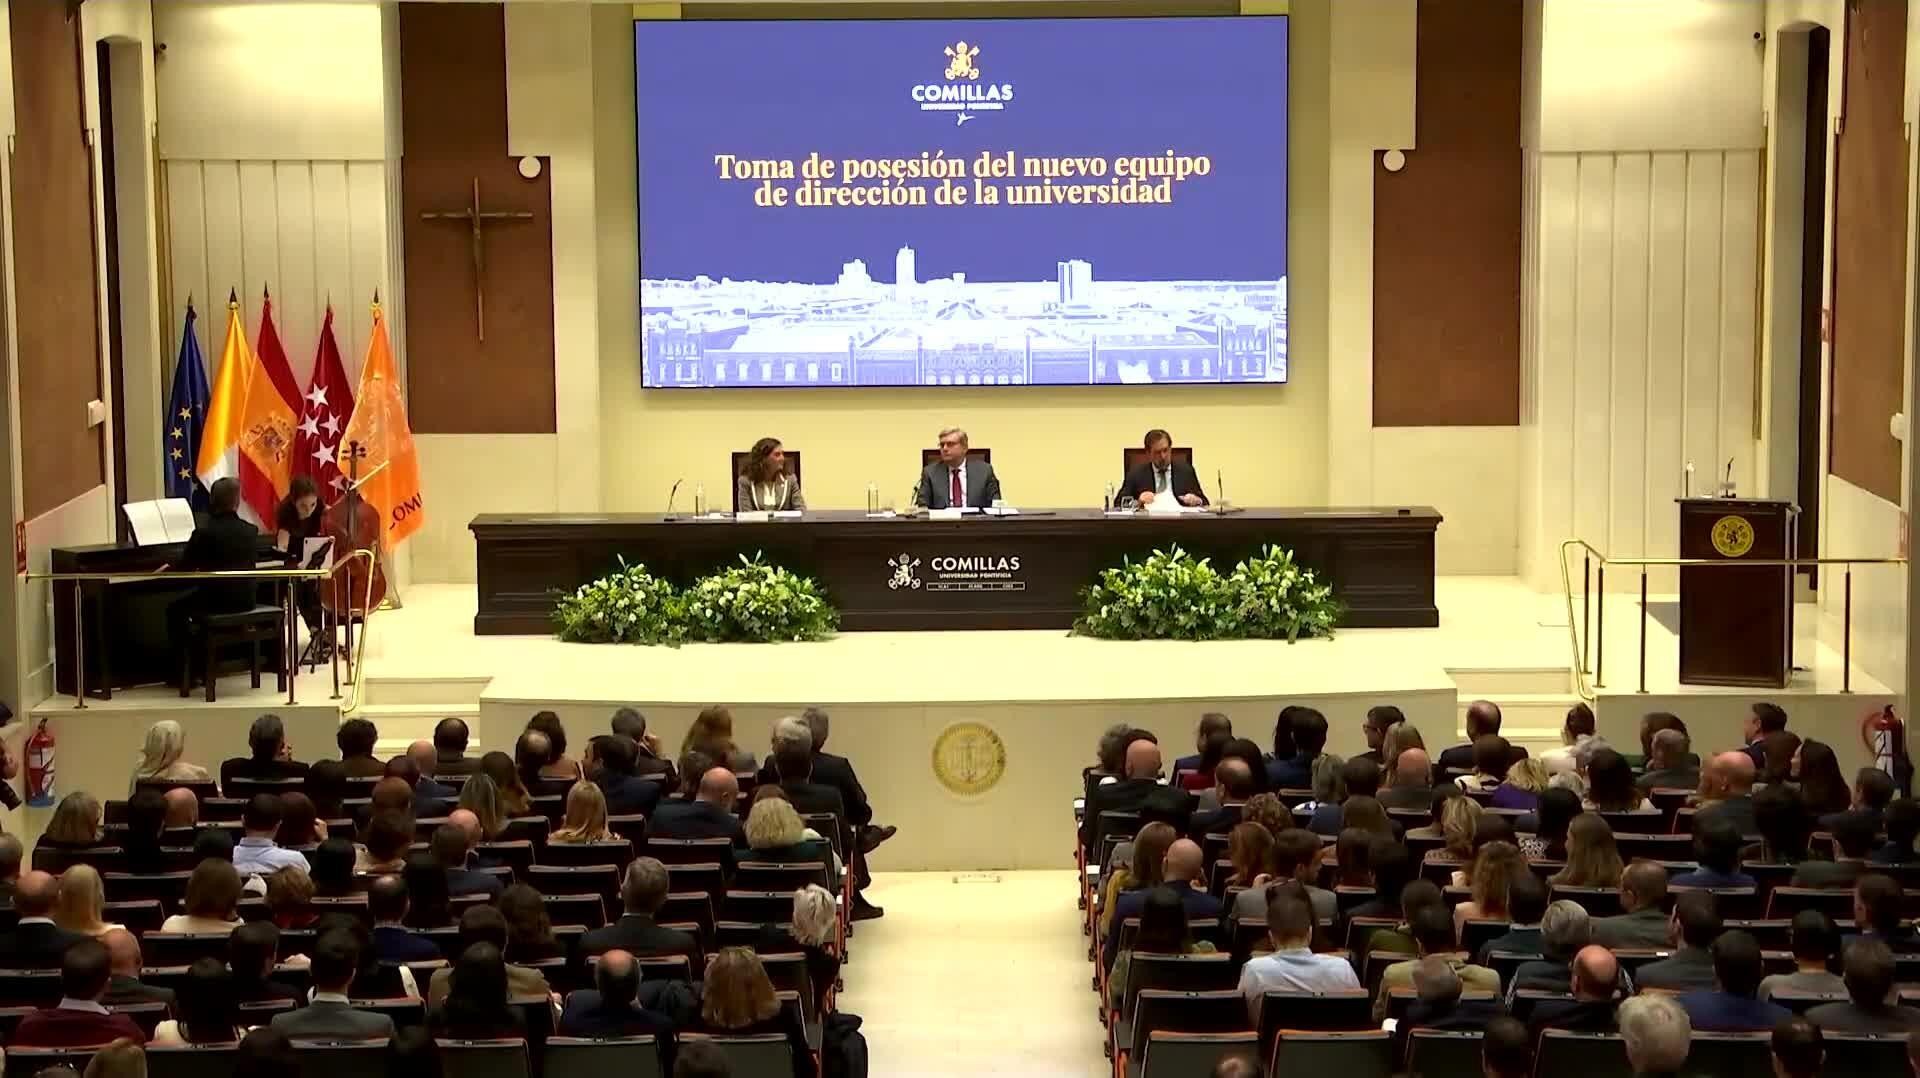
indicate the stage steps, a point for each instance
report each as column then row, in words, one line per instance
column 1533, row 701
column 406, row 709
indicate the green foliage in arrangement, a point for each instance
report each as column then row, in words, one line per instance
column 751, row 603
column 1172, row 595
column 628, row 606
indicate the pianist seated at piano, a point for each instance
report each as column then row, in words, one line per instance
column 297, row 520
column 763, row 484
column 222, row 542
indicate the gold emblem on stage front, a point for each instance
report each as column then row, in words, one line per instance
column 969, row 758
column 1732, row 536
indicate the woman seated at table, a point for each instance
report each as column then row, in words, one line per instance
column 297, row 520
column 764, row 483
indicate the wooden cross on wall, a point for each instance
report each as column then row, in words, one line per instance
column 477, row 219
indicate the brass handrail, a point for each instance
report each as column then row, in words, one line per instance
column 355, row 664
column 1578, row 639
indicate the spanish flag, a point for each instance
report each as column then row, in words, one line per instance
column 266, row 429
column 390, row 469
column 220, row 441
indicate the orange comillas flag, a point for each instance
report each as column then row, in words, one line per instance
column 266, row 427
column 220, row 441
column 390, row 469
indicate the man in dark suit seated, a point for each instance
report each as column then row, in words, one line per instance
column 956, row 480
column 611, row 1008
column 1716, row 846
column 387, row 902
column 1902, row 821
column 1309, row 741
column 628, row 722
column 643, row 890
column 430, row 798
column 1733, row 1004
column 452, row 850
column 1234, row 781
column 330, row 1015
column 611, row 760
column 1762, row 719
column 708, row 815
column 35, row 942
column 1667, row 768
column 1437, row 1004
column 1596, row 994
column 252, row 951
column 1873, row 790
column 1527, row 906
column 794, row 764
column 1161, row 476
column 11, row 854
column 123, row 962
column 1507, row 1049
column 1644, row 925
column 837, row 772
column 356, row 738
column 1799, row 1051
column 1726, row 791
column 1853, row 840
column 1184, row 871
column 1211, row 723
column 1876, row 910
column 1696, row 924
column 1870, row 973
column 270, row 757
column 221, row 543
column 1564, row 930
column 450, row 749
column 1483, row 720
column 1125, row 795
column 79, row 1019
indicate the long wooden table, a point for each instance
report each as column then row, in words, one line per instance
column 1013, row 572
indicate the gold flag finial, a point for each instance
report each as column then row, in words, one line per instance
column 233, row 299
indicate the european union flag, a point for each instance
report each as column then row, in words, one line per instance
column 185, row 418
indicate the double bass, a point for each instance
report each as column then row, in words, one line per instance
column 353, row 525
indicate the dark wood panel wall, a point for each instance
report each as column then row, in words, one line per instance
column 52, row 223
column 1446, row 247
column 453, row 118
column 1869, row 248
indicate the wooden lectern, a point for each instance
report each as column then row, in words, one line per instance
column 1736, row 625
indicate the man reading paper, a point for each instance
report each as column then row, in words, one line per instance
column 1160, row 476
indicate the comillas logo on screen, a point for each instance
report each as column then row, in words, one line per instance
column 961, row 92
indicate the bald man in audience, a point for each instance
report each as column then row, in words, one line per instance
column 1726, row 791
column 1241, row 1065
column 35, row 942
column 708, row 815
column 1234, row 781
column 1596, row 989
column 1483, row 720
column 183, row 809
column 1127, row 795
column 1412, row 784
column 11, row 854
column 1184, row 870
column 124, row 965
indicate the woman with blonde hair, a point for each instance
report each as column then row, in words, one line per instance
column 737, row 998
column 81, row 903
column 514, row 799
column 712, row 734
column 1493, row 871
column 1457, row 825
column 776, row 833
column 1144, row 870
column 1593, row 860
column 482, row 798
column 813, row 932
column 75, row 824
column 160, row 758
column 124, row 1058
column 586, row 818
column 1399, row 737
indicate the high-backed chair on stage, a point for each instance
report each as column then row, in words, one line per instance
column 738, row 460
column 1132, row 456
column 928, row 456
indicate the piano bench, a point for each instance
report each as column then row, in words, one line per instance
column 252, row 627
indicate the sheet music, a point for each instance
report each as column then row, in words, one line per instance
column 317, row 552
column 176, row 514
column 144, row 518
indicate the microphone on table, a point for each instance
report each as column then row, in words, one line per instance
column 670, row 496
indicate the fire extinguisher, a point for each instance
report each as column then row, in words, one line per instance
column 39, row 754
column 1885, row 737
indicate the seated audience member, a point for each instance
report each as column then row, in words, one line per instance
column 1564, row 930
column 1799, row 1051
column 161, row 758
column 1574, row 732
column 450, row 750
column 1295, row 857
column 331, row 865
column 1211, row 723
column 183, row 812
column 80, row 904
column 1359, row 777
column 837, row 772
column 1366, row 814
column 1650, row 726
column 1733, row 1005
column 1762, row 720
column 1551, row 823
column 207, row 1012
column 712, row 733
column 1506, row 1051
column 1232, row 1065
column 251, row 952
column 146, row 820
column 1822, row 787
column 1292, row 966
column 1595, row 982
column 387, row 902
column 1200, row 777
column 1412, row 784
column 256, row 853
column 531, row 754
column 530, row 935
column 1853, row 840
column 452, row 851
column 1869, row 1007
column 35, row 941
column 1726, row 791
column 212, row 903
column 1527, row 900
column 124, row 984
column 775, row 833
column 505, row 775
column 1380, row 718
column 1716, row 846
column 265, row 1052
column 793, row 765
column 300, row 823
column 1657, row 1034
column 1644, row 925
column 1437, row 999
column 1593, row 859
column 643, row 890
column 1527, row 780
column 810, row 933
column 123, row 1058
column 1784, row 824
column 1109, row 754
column 1414, row 896
column 1351, row 868
column 356, row 738
column 709, row 814
column 1489, row 876
column 695, row 1058
column 1295, row 771
column 1185, row 872
column 270, row 758
column 1233, row 781
column 327, row 788
column 1876, row 910
column 1610, row 785
column 428, row 903
column 213, row 844
column 1328, row 784
column 1873, row 790
column 485, row 926
column 389, row 838
column 79, row 1018
column 738, row 999
column 1164, row 929
column 1398, row 738
column 1779, row 750
column 1816, row 945
column 1696, row 924
column 1142, row 868
column 559, row 765
column 484, row 812
column 586, row 816
column 1902, row 821
column 1391, row 867
column 75, row 824
column 1667, row 766
column 611, row 1008
column 1434, row 940
column 329, row 1015
column 431, row 798
column 1492, row 757
column 1248, row 847
column 1483, row 720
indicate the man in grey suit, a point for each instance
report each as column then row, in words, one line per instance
column 971, row 479
column 330, row 1017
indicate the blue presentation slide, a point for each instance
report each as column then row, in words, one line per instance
column 962, row 202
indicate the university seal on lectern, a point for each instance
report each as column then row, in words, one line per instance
column 969, row 758
column 1732, row 536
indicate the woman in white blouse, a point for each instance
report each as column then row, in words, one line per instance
column 764, row 483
